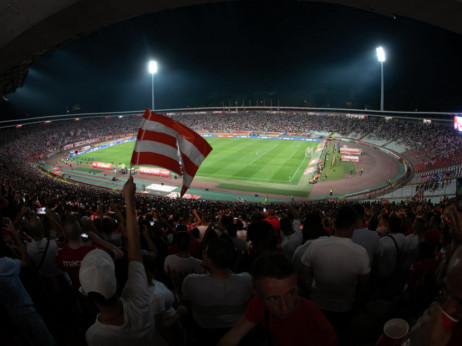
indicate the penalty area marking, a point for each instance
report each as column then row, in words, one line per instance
column 266, row 152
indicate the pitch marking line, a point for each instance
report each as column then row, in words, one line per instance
column 266, row 152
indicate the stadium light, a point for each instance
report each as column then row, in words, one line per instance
column 152, row 67
column 381, row 58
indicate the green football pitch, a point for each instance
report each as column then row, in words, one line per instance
column 243, row 164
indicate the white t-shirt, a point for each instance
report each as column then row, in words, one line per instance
column 138, row 326
column 185, row 265
column 336, row 263
column 367, row 239
column 202, row 229
column 35, row 250
column 217, row 303
column 179, row 267
column 290, row 243
column 162, row 300
column 389, row 255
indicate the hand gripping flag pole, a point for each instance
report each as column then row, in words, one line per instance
column 163, row 142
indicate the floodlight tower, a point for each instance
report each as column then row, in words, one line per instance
column 381, row 58
column 152, row 67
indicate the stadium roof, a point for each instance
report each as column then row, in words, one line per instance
column 30, row 30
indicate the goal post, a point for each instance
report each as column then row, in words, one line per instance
column 309, row 152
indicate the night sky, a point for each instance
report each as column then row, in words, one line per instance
column 309, row 54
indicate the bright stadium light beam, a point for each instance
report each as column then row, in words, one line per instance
column 381, row 57
column 152, row 67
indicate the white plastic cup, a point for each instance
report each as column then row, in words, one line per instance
column 394, row 332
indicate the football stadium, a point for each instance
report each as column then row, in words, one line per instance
column 227, row 201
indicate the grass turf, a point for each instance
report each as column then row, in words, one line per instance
column 245, row 164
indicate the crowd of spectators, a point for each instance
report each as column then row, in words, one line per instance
column 191, row 247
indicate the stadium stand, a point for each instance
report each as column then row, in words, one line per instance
column 101, row 214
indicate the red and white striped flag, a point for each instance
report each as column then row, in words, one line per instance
column 166, row 143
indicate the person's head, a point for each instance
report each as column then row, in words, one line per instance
column 453, row 286
column 262, row 236
column 373, row 223
column 221, row 253
column 108, row 225
column 231, row 228
column 196, row 233
column 275, row 283
column 360, row 215
column 182, row 240
column 410, row 217
column 271, row 212
column 312, row 227
column 97, row 277
column 345, row 221
column 418, row 228
column 226, row 220
column 394, row 224
column 35, row 228
column 383, row 221
column 71, row 228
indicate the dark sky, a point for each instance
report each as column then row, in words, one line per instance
column 299, row 53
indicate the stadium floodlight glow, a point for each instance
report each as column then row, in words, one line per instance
column 380, row 54
column 152, row 67
column 381, row 57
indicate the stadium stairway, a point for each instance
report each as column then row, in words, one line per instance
column 368, row 133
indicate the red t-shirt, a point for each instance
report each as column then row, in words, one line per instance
column 69, row 260
column 307, row 326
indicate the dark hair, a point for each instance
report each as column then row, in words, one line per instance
column 394, row 224
column 272, row 264
column 345, row 218
column 312, row 227
column 72, row 228
column 226, row 220
column 196, row 233
column 232, row 230
column 221, row 252
column 262, row 236
column 239, row 225
column 182, row 240
column 373, row 223
column 35, row 228
column 359, row 210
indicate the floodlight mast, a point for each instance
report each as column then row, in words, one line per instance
column 152, row 67
column 381, row 57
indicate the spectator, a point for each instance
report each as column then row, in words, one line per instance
column 217, row 299
column 366, row 238
column 335, row 271
column 15, row 299
column 287, row 318
column 391, row 274
column 129, row 318
column 179, row 265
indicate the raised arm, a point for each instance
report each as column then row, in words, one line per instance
column 293, row 211
column 95, row 239
column 196, row 215
column 235, row 335
column 133, row 236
